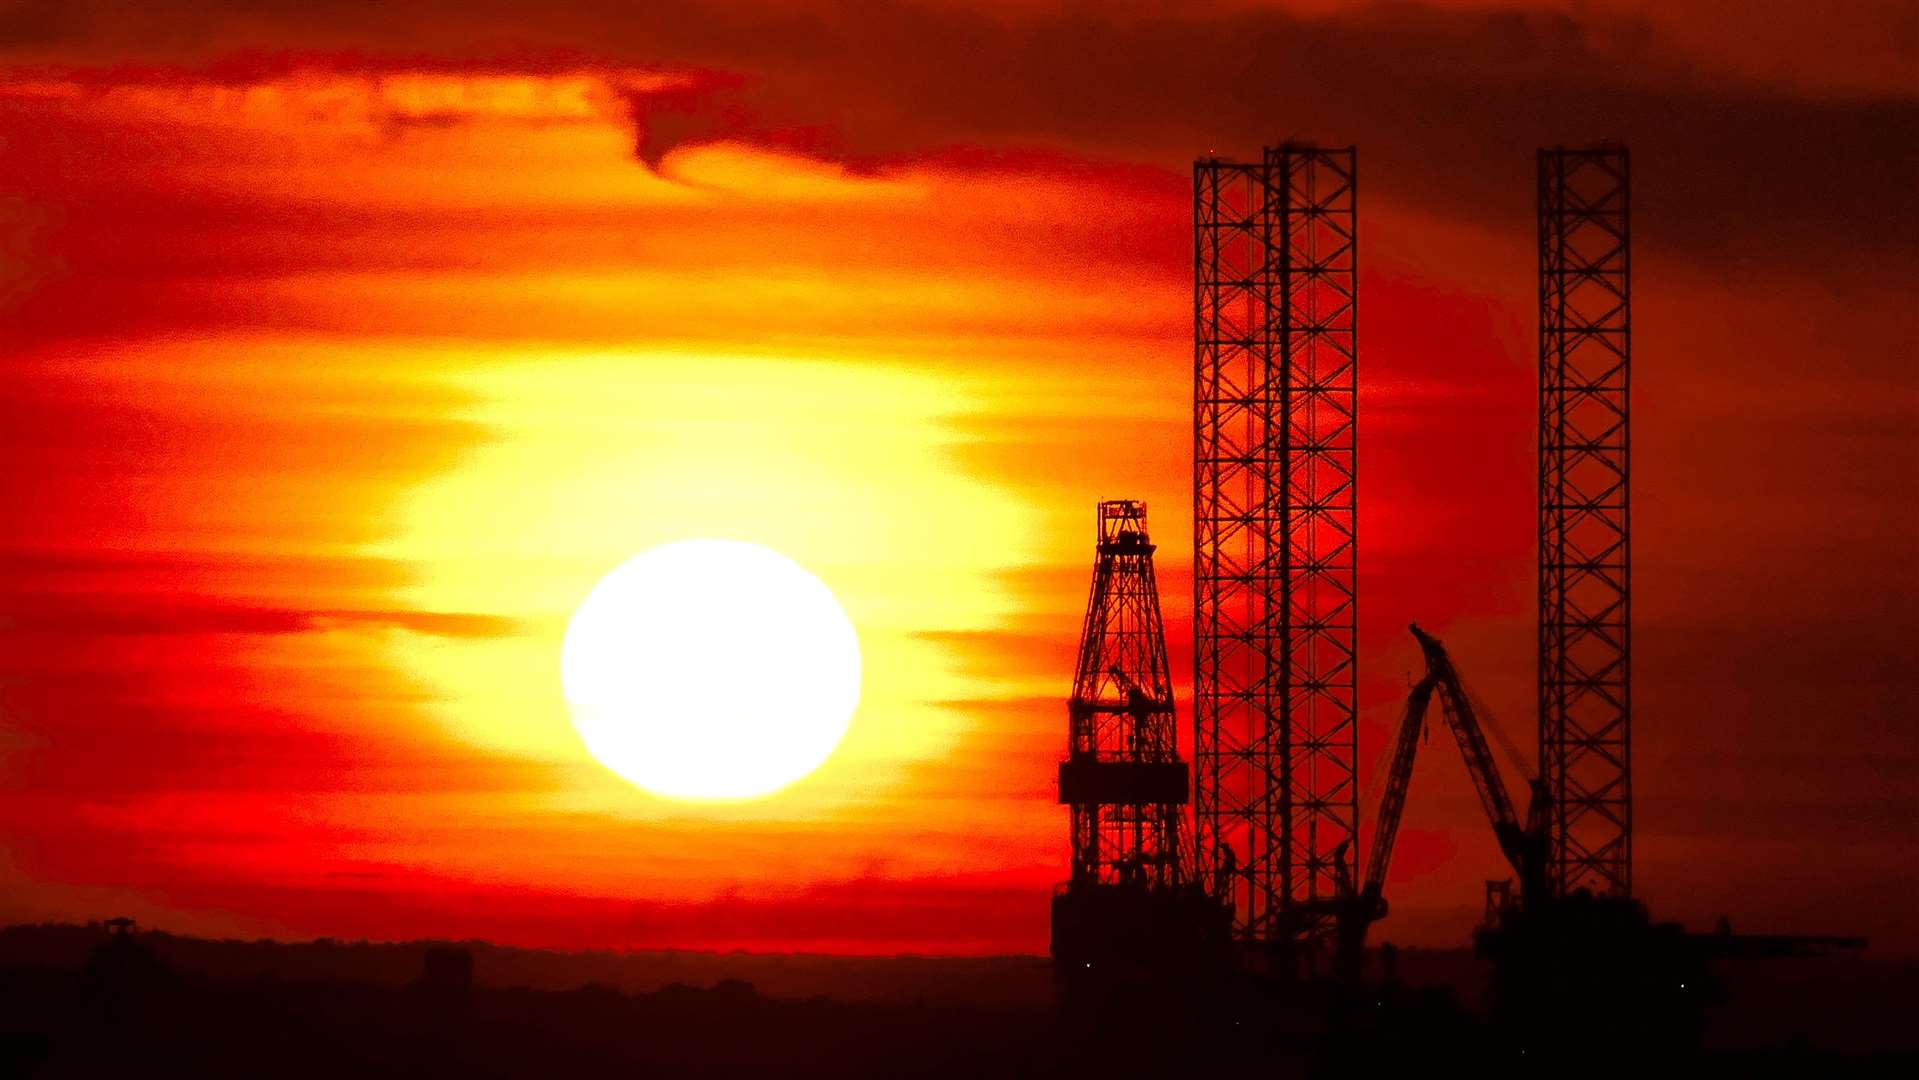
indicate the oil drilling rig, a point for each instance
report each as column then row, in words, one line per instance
column 1275, row 526
column 1131, row 914
column 1268, row 886
column 1276, row 544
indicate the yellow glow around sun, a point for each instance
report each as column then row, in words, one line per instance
column 845, row 464
column 710, row 669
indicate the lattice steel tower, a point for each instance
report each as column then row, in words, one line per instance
column 1275, row 556
column 1585, row 596
column 1122, row 776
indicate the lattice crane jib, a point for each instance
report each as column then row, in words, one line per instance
column 1275, row 553
column 1123, row 777
column 1585, row 599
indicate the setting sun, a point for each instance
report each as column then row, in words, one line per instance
column 711, row 669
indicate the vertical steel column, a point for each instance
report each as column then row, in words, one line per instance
column 1275, row 590
column 1313, row 192
column 1585, row 596
column 1237, row 785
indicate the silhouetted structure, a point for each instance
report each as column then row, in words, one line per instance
column 1275, row 555
column 1578, row 977
column 1122, row 776
column 1364, row 903
column 1523, row 844
column 1128, row 914
column 1582, row 978
column 1585, row 597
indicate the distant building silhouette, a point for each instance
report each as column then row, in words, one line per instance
column 123, row 974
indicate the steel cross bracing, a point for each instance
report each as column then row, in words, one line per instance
column 1123, row 776
column 1585, row 597
column 1275, row 591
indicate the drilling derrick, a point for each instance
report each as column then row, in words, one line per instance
column 1275, row 557
column 1127, row 913
column 1123, row 777
column 1585, row 599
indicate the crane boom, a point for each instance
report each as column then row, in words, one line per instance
column 1523, row 844
column 1466, row 729
column 1359, row 909
column 1399, row 774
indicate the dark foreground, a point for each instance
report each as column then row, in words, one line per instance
column 81, row 1002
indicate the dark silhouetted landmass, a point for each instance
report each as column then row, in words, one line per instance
column 84, row 1001
column 1011, row 981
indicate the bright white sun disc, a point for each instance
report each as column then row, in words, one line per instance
column 710, row 669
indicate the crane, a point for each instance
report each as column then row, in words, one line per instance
column 1524, row 844
column 1570, row 968
column 1360, row 908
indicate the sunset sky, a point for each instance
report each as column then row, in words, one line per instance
column 346, row 347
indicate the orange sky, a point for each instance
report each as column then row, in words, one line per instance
column 345, row 350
